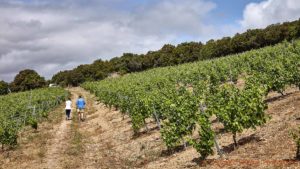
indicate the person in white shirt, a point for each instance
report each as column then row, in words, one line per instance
column 68, row 108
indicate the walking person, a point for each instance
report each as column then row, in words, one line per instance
column 80, row 103
column 68, row 108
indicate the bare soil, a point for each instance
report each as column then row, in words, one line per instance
column 105, row 140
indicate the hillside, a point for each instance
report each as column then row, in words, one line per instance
column 186, row 101
column 106, row 140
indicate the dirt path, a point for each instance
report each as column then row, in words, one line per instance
column 97, row 131
column 62, row 148
column 57, row 147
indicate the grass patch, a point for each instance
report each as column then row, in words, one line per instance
column 76, row 143
column 75, row 149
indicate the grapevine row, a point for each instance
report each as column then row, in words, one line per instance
column 26, row 108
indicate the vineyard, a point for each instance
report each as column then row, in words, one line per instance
column 26, row 108
column 185, row 100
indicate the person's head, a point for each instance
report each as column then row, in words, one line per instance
column 69, row 98
column 80, row 96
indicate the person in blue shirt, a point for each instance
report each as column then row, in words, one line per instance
column 80, row 104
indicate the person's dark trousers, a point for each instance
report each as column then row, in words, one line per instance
column 68, row 112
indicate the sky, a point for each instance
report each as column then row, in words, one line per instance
column 53, row 35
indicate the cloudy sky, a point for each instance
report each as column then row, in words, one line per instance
column 53, row 35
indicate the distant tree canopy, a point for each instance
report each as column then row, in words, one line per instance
column 95, row 71
column 170, row 55
column 3, row 87
column 26, row 80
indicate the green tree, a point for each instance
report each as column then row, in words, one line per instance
column 3, row 87
column 26, row 80
column 60, row 78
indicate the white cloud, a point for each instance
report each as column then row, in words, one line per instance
column 174, row 16
column 259, row 15
column 51, row 35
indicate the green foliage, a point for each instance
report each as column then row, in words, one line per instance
column 27, row 80
column 3, row 88
column 33, row 123
column 26, row 108
column 185, row 97
column 179, row 109
column 9, row 133
column 205, row 142
column 239, row 109
column 95, row 71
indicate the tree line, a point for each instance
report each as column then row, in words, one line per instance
column 170, row 55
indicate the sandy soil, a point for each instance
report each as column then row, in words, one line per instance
column 57, row 145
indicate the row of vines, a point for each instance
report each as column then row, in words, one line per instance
column 184, row 99
column 26, row 108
